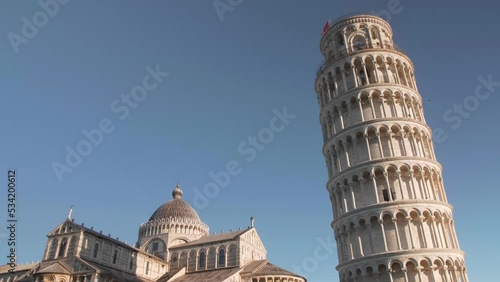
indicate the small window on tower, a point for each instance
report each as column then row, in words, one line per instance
column 62, row 248
column 96, row 250
column 386, row 195
column 202, row 260
column 155, row 247
column 363, row 78
column 222, row 258
column 131, row 262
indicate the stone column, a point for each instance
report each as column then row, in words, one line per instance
column 336, row 86
column 380, row 145
column 405, row 273
column 344, row 199
column 384, row 113
column 398, row 239
column 370, row 99
column 368, row 146
column 436, row 232
column 422, row 218
column 383, row 235
column 391, row 143
column 369, row 225
column 375, row 71
column 409, row 221
column 398, row 80
column 341, row 119
column 339, row 202
column 389, row 190
column 348, row 162
column 349, row 246
column 361, row 110
column 355, row 151
column 412, row 185
column 425, row 186
column 375, row 188
column 355, row 75
column 360, row 242
column 362, row 183
column 400, row 184
column 344, row 80
column 366, row 73
column 351, row 188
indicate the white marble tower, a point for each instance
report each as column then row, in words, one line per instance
column 392, row 220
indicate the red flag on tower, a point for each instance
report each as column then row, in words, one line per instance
column 327, row 26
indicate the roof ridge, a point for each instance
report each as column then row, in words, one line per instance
column 30, row 271
column 264, row 262
column 275, row 268
column 92, row 231
column 52, row 265
column 211, row 238
column 104, row 235
column 87, row 263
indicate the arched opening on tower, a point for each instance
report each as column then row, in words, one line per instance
column 358, row 43
column 370, row 70
column 382, row 69
column 417, row 228
column 385, row 139
column 397, row 272
column 350, row 77
column 375, row 35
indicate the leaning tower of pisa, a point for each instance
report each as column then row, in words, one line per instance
column 392, row 220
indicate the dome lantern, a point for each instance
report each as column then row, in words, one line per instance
column 177, row 193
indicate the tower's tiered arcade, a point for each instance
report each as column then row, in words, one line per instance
column 392, row 221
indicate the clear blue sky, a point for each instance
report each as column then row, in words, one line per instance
column 226, row 77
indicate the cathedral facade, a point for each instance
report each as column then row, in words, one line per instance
column 174, row 245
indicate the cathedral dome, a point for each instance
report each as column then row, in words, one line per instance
column 176, row 209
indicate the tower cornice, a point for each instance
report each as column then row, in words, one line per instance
column 390, row 206
column 402, row 256
column 339, row 57
column 376, row 122
column 384, row 162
